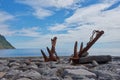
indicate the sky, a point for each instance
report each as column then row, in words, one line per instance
column 32, row 23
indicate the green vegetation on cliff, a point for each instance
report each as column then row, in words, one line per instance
column 4, row 44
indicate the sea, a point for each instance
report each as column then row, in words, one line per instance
column 25, row 53
column 37, row 53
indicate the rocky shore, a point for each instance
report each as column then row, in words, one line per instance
column 34, row 68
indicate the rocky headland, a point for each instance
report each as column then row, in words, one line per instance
column 34, row 68
column 4, row 44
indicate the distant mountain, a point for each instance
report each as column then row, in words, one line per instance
column 4, row 44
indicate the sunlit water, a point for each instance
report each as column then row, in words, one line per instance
column 37, row 53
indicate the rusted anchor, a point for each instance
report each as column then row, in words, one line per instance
column 83, row 51
column 52, row 53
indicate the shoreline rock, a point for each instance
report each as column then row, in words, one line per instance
column 34, row 68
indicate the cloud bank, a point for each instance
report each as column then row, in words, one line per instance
column 78, row 26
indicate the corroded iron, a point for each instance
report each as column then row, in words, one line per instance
column 75, row 56
column 92, row 41
column 44, row 56
column 83, row 51
column 52, row 53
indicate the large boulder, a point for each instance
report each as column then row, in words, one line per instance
column 78, row 73
column 99, row 59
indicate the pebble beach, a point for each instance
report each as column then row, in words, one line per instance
column 34, row 68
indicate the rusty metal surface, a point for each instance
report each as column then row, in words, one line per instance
column 52, row 53
column 92, row 41
column 75, row 57
column 44, row 56
column 83, row 51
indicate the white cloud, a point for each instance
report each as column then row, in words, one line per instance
column 40, row 6
column 47, row 3
column 4, row 30
column 88, row 19
column 105, row 51
column 57, row 27
column 4, row 27
column 29, row 32
column 42, row 13
column 82, row 15
column 5, row 17
column 109, row 1
column 94, row 17
column 40, row 41
column 83, row 21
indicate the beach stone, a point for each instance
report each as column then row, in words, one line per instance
column 44, row 71
column 4, row 62
column 14, row 67
column 106, row 75
column 43, row 65
column 110, row 71
column 32, row 69
column 75, row 67
column 12, row 73
column 14, row 64
column 54, row 78
column 32, row 74
column 3, row 68
column 2, row 74
column 77, row 77
column 79, row 73
column 109, row 67
column 23, row 68
column 52, row 64
column 37, row 63
column 64, row 60
column 33, row 66
column 94, row 63
column 100, row 59
column 22, row 65
column 50, row 78
column 48, row 72
column 36, row 60
column 3, row 79
column 12, row 60
column 68, row 78
column 27, row 62
column 24, row 79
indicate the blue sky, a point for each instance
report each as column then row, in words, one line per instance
column 32, row 23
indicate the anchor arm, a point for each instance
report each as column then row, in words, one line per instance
column 91, row 42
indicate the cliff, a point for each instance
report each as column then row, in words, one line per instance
column 4, row 44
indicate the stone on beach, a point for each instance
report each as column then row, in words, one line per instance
column 31, row 74
column 98, row 59
column 24, row 79
column 2, row 74
column 36, row 69
column 79, row 72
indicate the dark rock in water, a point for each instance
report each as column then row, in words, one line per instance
column 99, row 59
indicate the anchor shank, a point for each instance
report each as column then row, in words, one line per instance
column 98, row 35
